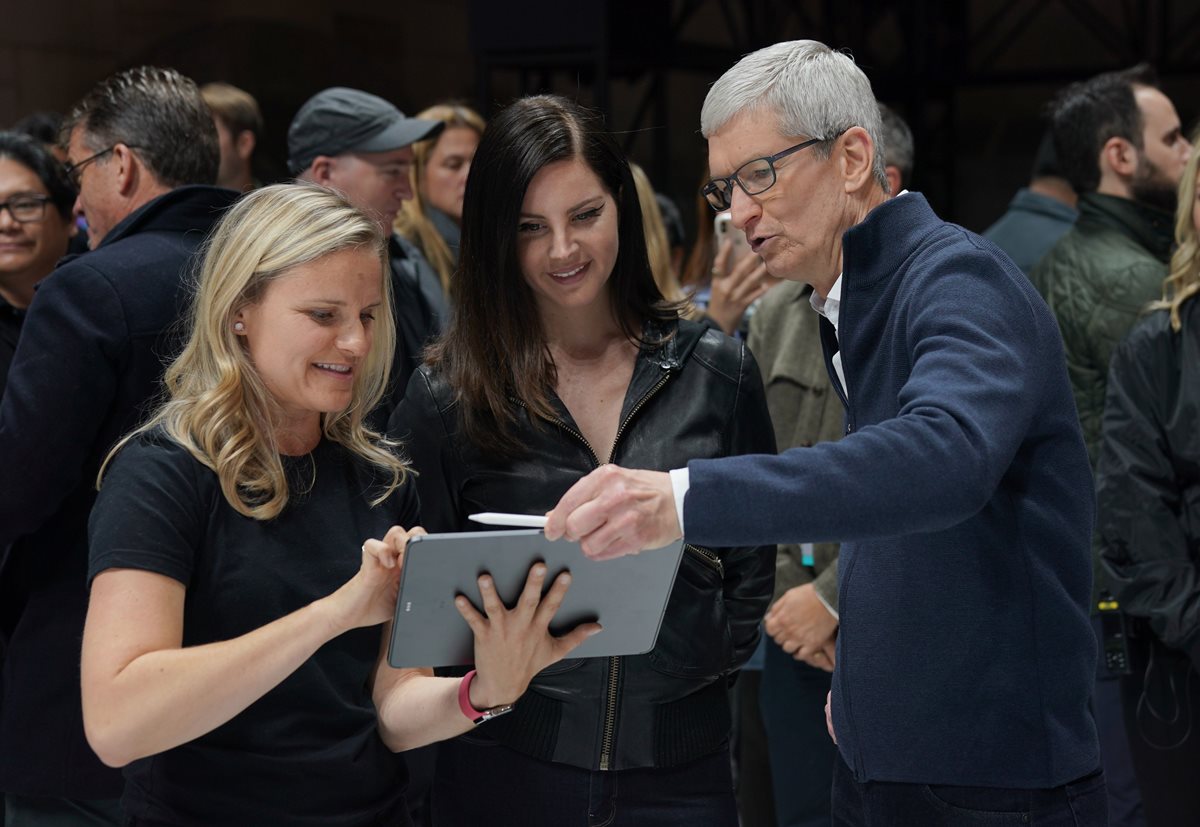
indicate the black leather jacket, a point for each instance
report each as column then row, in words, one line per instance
column 1148, row 478
column 698, row 395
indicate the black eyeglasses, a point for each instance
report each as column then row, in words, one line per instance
column 26, row 209
column 754, row 177
column 75, row 171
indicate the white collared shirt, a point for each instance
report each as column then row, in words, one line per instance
column 830, row 307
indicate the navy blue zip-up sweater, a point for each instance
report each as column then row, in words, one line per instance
column 963, row 498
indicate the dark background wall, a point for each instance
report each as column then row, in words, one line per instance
column 970, row 76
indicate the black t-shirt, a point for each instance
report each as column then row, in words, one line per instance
column 307, row 752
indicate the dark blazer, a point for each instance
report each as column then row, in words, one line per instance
column 87, row 368
column 962, row 495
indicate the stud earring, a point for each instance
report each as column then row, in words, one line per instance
column 239, row 327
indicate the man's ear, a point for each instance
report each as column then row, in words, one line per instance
column 855, row 155
column 322, row 169
column 1120, row 156
column 129, row 169
column 893, row 175
column 244, row 144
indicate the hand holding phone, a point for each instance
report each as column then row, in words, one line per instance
column 724, row 230
column 739, row 278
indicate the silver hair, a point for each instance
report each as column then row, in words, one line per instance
column 812, row 90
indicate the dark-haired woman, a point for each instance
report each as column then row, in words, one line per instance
column 35, row 228
column 563, row 355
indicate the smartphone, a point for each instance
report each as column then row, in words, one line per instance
column 722, row 229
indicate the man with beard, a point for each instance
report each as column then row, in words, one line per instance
column 1120, row 144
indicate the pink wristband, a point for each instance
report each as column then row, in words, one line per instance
column 464, row 698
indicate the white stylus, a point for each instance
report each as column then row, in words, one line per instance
column 517, row 520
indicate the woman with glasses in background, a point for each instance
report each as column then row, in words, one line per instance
column 35, row 228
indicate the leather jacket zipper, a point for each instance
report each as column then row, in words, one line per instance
column 709, row 557
column 614, row 663
column 633, row 412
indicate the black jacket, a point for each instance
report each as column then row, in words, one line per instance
column 1148, row 477
column 88, row 365
column 699, row 394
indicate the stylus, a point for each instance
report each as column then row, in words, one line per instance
column 518, row 520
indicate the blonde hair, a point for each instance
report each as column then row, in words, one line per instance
column 1183, row 276
column 217, row 406
column 658, row 246
column 412, row 222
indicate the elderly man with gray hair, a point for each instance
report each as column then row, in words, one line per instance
column 961, row 492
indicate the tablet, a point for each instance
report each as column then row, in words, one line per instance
column 627, row 596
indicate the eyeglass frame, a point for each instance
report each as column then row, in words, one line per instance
column 42, row 201
column 74, row 172
column 730, row 180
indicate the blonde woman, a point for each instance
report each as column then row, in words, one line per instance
column 658, row 248
column 1148, row 499
column 432, row 218
column 231, row 651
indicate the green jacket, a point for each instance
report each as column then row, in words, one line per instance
column 1098, row 279
column 785, row 339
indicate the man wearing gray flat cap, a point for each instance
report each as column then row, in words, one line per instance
column 361, row 145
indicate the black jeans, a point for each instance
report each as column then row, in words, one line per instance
column 488, row 784
column 1080, row 803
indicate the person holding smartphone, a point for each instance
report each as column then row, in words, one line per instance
column 561, row 356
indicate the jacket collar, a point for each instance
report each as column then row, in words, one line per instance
column 1150, row 227
column 446, row 226
column 875, row 248
column 667, row 346
column 183, row 209
column 1027, row 200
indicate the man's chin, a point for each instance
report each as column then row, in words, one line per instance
column 1155, row 194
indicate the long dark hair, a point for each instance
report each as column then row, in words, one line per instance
column 494, row 348
column 30, row 153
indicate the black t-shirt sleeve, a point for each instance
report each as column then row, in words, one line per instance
column 150, row 513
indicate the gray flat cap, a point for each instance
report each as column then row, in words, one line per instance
column 339, row 120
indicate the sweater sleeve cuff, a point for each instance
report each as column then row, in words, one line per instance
column 825, row 585
column 680, row 482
